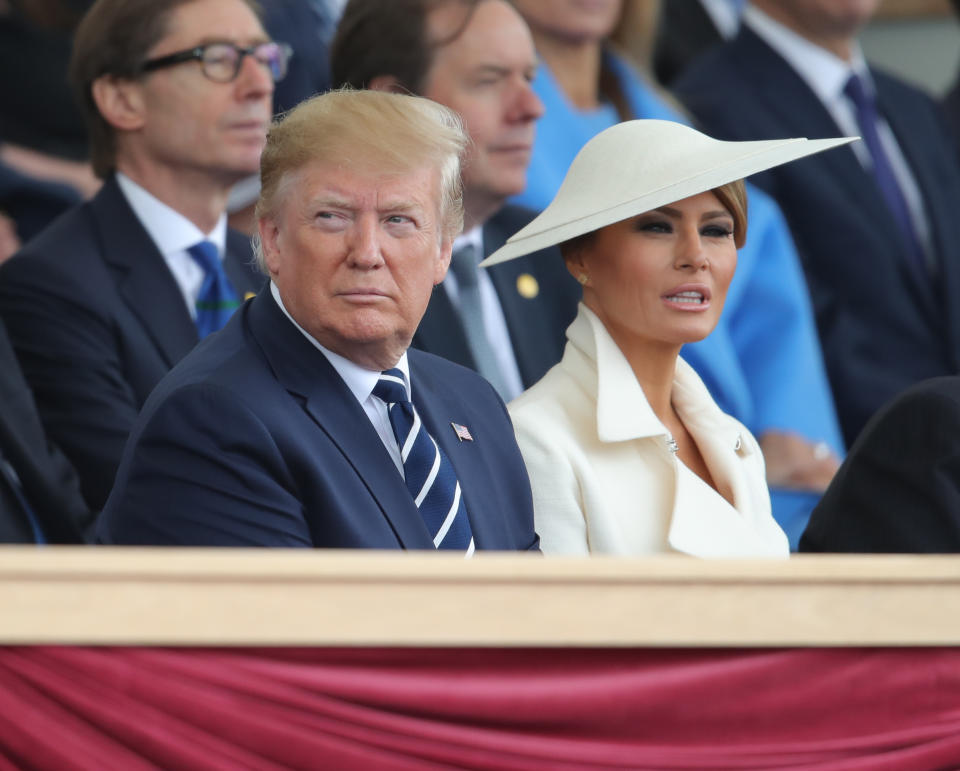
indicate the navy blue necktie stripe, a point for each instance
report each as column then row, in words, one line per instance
column 429, row 474
column 868, row 119
column 217, row 300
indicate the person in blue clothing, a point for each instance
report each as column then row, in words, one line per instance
column 763, row 362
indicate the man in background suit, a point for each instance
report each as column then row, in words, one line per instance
column 876, row 225
column 477, row 58
column 899, row 488
column 688, row 28
column 307, row 421
column 106, row 300
column 39, row 494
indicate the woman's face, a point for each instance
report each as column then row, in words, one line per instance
column 660, row 277
column 574, row 21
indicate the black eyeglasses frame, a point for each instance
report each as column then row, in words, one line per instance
column 197, row 54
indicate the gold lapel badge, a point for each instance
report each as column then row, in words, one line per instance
column 527, row 286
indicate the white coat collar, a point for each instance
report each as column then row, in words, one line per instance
column 623, row 412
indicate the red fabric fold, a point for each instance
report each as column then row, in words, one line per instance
column 509, row 709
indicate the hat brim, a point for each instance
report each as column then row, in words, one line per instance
column 616, row 176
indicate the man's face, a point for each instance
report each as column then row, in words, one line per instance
column 191, row 124
column 485, row 74
column 355, row 253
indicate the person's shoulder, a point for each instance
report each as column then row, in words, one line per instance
column 553, row 401
column 438, row 372
column 512, row 216
column 891, row 86
column 238, row 244
column 67, row 239
column 938, row 396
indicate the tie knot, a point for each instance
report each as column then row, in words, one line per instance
column 392, row 387
column 464, row 265
column 856, row 91
column 206, row 255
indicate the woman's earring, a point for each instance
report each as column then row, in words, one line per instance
column 583, row 278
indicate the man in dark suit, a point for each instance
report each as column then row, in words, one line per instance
column 39, row 494
column 899, row 488
column 306, row 421
column 686, row 29
column 876, row 225
column 477, row 58
column 106, row 300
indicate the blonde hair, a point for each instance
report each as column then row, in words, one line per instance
column 391, row 132
column 733, row 196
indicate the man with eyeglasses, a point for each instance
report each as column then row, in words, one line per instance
column 177, row 97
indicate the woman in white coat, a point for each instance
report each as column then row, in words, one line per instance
column 626, row 450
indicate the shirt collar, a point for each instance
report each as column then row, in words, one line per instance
column 473, row 237
column 359, row 380
column 169, row 230
column 825, row 73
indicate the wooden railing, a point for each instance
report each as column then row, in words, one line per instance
column 99, row 595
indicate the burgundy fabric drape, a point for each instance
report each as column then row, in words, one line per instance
column 201, row 708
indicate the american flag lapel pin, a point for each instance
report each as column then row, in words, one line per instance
column 462, row 432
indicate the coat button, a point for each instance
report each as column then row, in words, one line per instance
column 738, row 444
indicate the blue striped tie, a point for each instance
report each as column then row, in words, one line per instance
column 430, row 476
column 217, row 301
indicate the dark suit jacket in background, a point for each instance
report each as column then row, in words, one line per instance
column 684, row 32
column 255, row 440
column 882, row 328
column 96, row 319
column 899, row 488
column 47, row 480
column 537, row 325
column 307, row 26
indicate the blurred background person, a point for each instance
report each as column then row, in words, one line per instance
column 687, row 28
column 106, row 300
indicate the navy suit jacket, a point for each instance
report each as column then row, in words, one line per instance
column 882, row 327
column 255, row 440
column 96, row 319
column 899, row 488
column 537, row 325
column 47, row 480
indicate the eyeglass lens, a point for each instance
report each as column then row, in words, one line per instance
column 222, row 61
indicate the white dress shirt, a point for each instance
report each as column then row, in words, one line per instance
column 174, row 234
column 361, row 382
column 495, row 324
column 725, row 16
column 827, row 75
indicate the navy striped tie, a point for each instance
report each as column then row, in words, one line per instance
column 431, row 478
column 217, row 301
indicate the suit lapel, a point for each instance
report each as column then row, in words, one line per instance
column 529, row 319
column 441, row 332
column 142, row 276
column 305, row 372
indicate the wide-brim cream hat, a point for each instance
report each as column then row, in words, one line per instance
column 640, row 165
